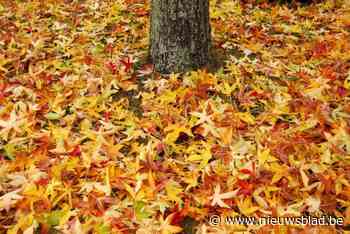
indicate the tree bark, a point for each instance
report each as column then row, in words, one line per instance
column 179, row 35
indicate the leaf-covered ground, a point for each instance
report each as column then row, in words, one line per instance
column 93, row 141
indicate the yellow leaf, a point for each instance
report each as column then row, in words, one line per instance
column 304, row 178
column 191, row 179
column 263, row 156
column 166, row 227
column 259, row 199
column 174, row 133
column 347, row 216
column 203, row 157
column 279, row 172
column 129, row 189
column 310, row 123
column 151, row 181
column 3, row 62
column 226, row 135
column 199, row 152
column 246, row 117
column 347, row 82
column 168, row 97
column 246, row 207
column 33, row 191
column 317, row 89
column 173, row 190
column 24, row 222
column 59, row 134
column 340, row 183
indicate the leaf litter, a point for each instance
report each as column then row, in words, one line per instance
column 92, row 140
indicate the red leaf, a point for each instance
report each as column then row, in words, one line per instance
column 76, row 151
column 127, row 64
column 303, row 75
column 327, row 182
column 341, row 91
column 112, row 67
column 202, row 90
column 42, row 181
column 246, row 171
column 3, row 86
column 44, row 228
column 107, row 115
column 141, row 12
column 320, row 49
column 47, row 78
column 329, row 73
column 88, row 60
column 109, row 48
column 160, row 147
column 246, row 188
column 180, row 213
column 254, row 94
column 29, row 29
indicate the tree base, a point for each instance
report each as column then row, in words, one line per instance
column 180, row 35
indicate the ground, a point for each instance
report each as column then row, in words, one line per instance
column 92, row 140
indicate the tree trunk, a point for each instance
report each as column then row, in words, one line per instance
column 180, row 35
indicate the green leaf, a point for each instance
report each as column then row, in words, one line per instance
column 10, row 150
column 140, row 211
column 53, row 116
column 53, row 218
column 103, row 229
column 292, row 78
